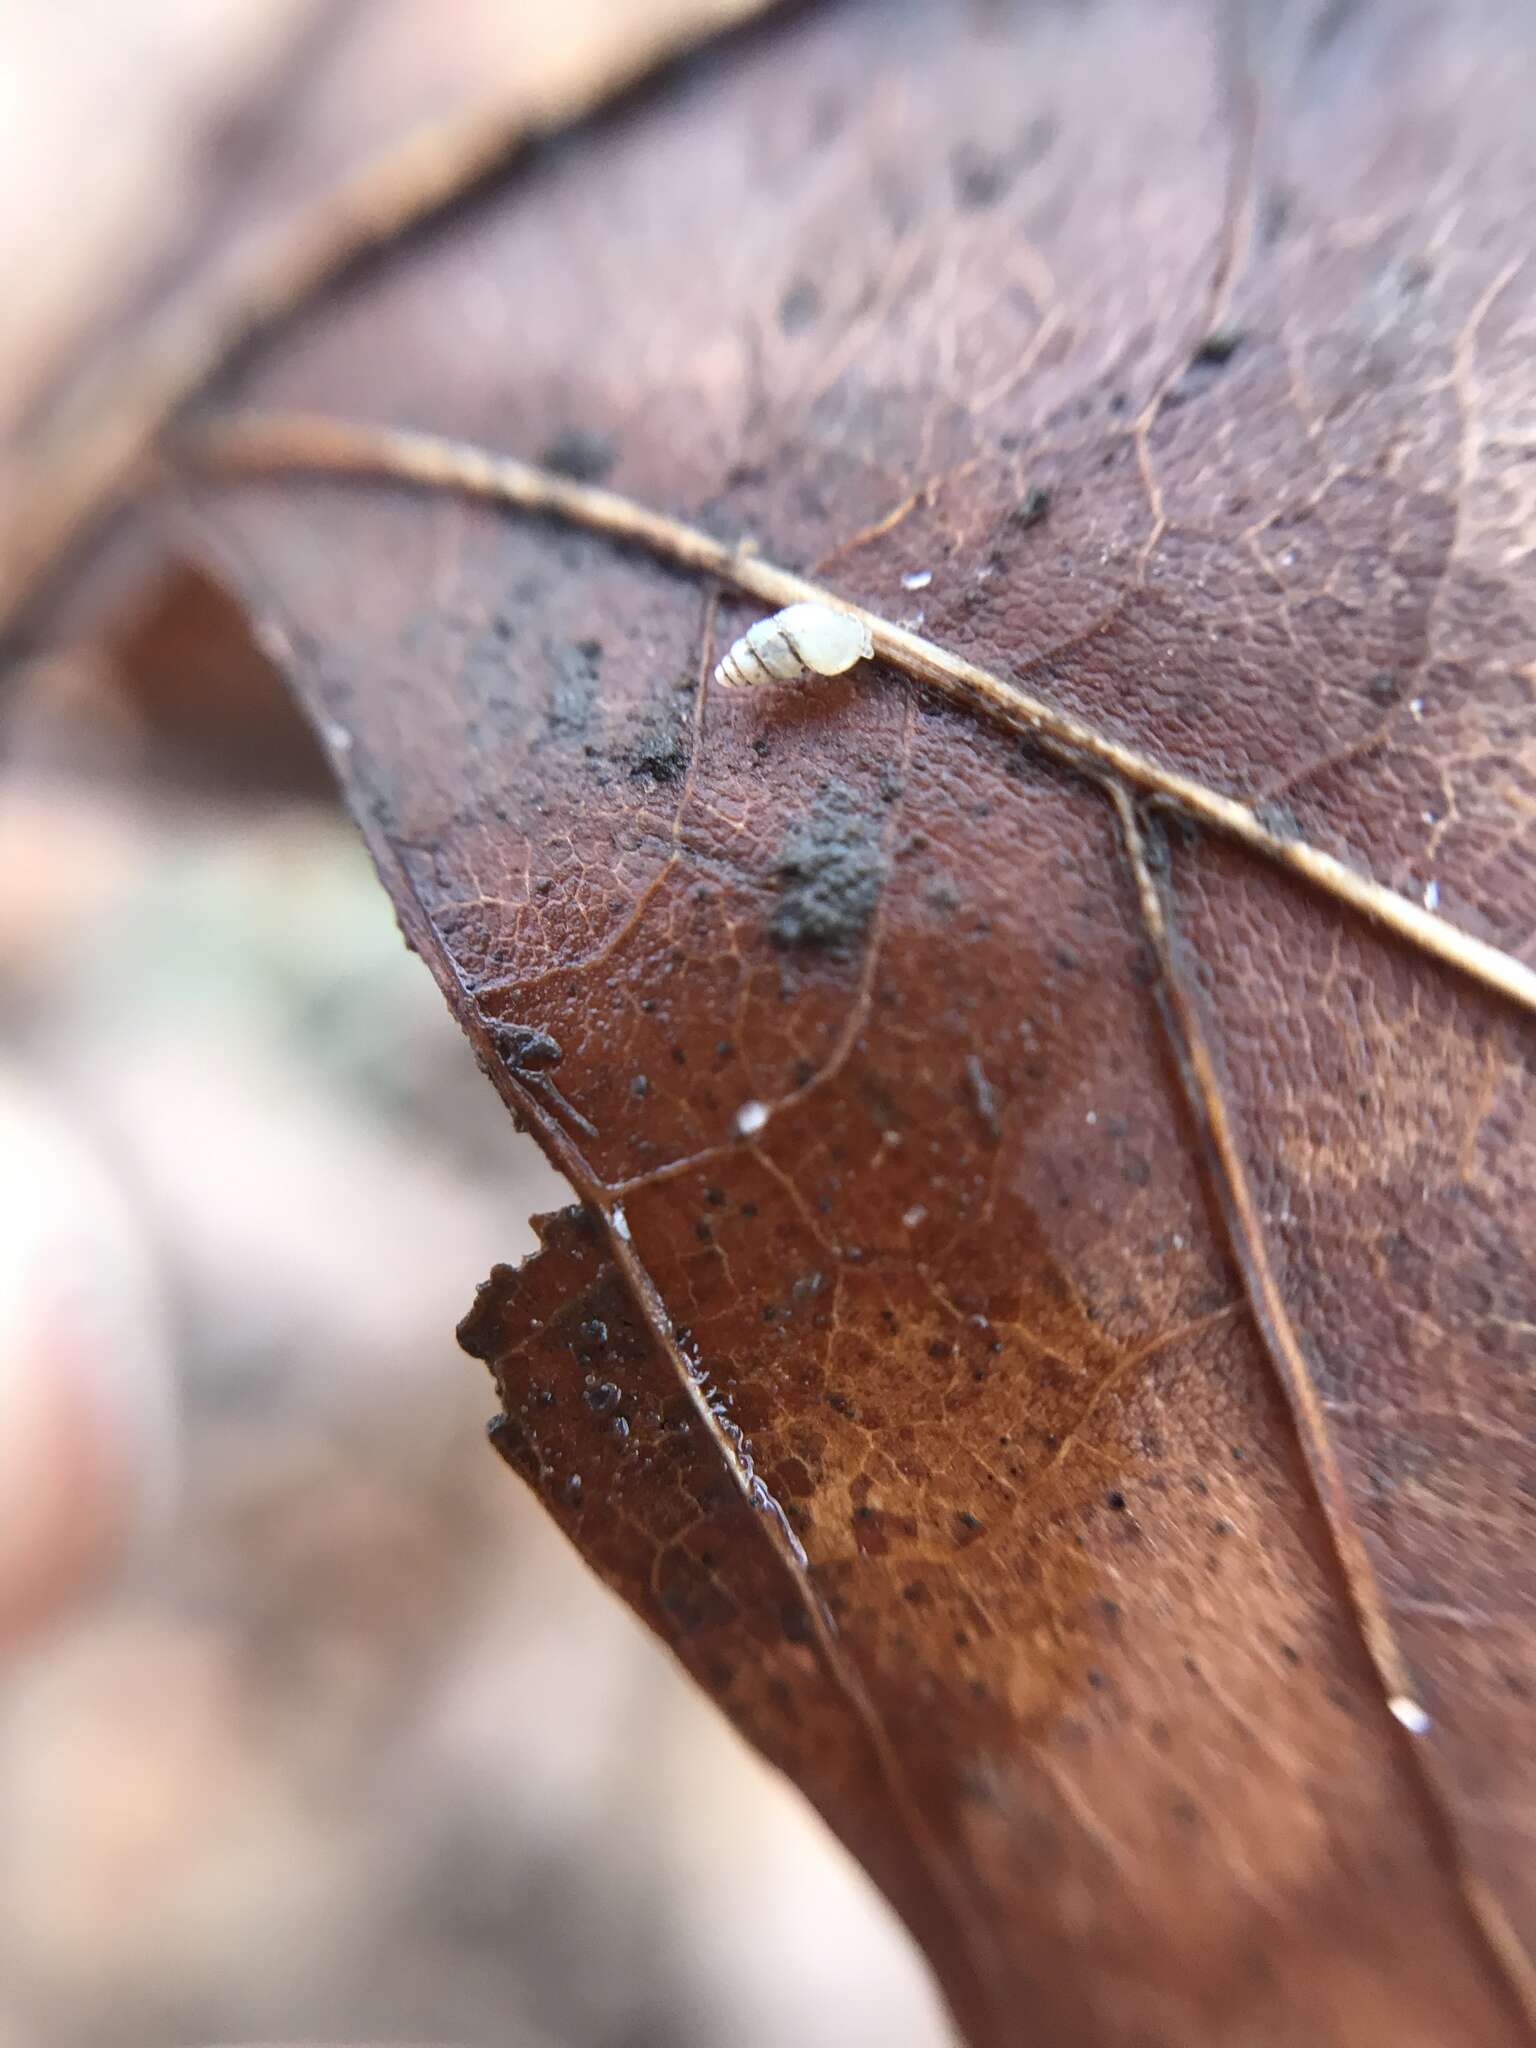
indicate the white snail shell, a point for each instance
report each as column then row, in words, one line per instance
column 801, row 637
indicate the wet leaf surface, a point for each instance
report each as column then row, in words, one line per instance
column 901, row 1371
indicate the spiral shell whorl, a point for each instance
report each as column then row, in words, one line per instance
column 801, row 637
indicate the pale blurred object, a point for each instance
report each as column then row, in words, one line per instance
column 77, row 222
column 87, row 1426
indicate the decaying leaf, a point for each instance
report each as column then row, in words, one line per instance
column 1063, row 1384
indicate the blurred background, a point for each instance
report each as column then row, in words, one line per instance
column 310, row 1727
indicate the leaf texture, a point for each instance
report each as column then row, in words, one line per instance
column 1163, row 1647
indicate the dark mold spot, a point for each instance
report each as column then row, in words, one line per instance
column 799, row 306
column 830, row 872
column 1115, row 1500
column 1031, row 508
column 1383, row 687
column 1218, row 347
column 581, row 454
column 574, row 690
column 660, row 752
column 980, row 178
column 1213, row 354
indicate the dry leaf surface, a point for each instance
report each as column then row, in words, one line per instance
column 903, row 1369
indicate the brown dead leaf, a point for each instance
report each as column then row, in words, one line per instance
column 1093, row 1454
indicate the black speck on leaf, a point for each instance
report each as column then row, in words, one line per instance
column 661, row 753
column 1218, row 348
column 981, row 179
column 1031, row 509
column 799, row 306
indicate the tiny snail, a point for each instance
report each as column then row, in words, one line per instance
column 802, row 636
